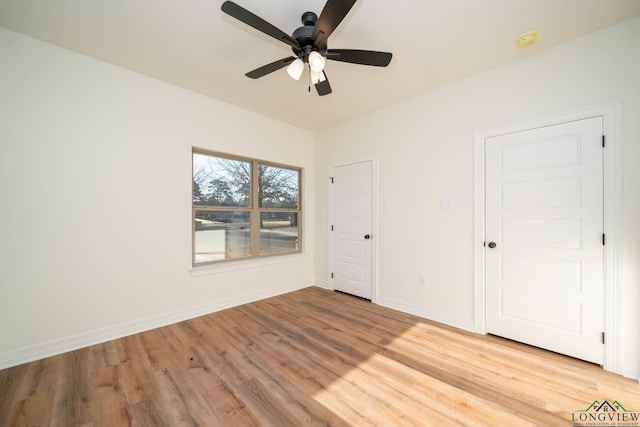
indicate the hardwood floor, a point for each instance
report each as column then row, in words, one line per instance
column 311, row 357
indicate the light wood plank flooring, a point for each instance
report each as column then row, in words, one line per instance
column 310, row 357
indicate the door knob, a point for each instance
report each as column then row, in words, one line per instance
column 492, row 245
column 367, row 236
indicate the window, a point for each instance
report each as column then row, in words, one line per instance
column 243, row 208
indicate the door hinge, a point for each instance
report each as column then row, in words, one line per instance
column 332, row 275
column 331, row 178
column 604, row 239
column 332, row 228
column 603, row 338
column 603, row 140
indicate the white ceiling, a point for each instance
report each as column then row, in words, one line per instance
column 192, row 44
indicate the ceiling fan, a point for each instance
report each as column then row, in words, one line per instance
column 309, row 43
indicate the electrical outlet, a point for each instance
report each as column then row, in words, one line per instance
column 422, row 279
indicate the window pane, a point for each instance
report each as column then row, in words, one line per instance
column 278, row 232
column 277, row 187
column 220, row 182
column 221, row 235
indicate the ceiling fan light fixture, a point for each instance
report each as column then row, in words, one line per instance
column 316, row 62
column 295, row 69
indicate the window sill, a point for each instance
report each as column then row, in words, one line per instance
column 245, row 264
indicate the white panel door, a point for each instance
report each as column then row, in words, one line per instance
column 544, row 231
column 352, row 237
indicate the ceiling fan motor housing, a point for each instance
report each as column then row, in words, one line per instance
column 304, row 33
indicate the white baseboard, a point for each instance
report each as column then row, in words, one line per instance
column 55, row 347
column 632, row 375
column 457, row 322
column 324, row 284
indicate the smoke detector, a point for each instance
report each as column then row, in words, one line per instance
column 527, row 39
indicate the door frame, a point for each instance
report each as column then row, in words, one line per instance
column 613, row 208
column 373, row 158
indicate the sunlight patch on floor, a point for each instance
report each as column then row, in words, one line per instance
column 383, row 391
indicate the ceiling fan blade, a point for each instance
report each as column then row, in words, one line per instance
column 331, row 16
column 323, row 87
column 243, row 15
column 270, row 68
column 364, row 57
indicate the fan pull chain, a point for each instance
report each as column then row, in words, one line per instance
column 309, row 88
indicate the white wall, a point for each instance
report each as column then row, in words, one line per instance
column 425, row 151
column 95, row 194
column 95, row 234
